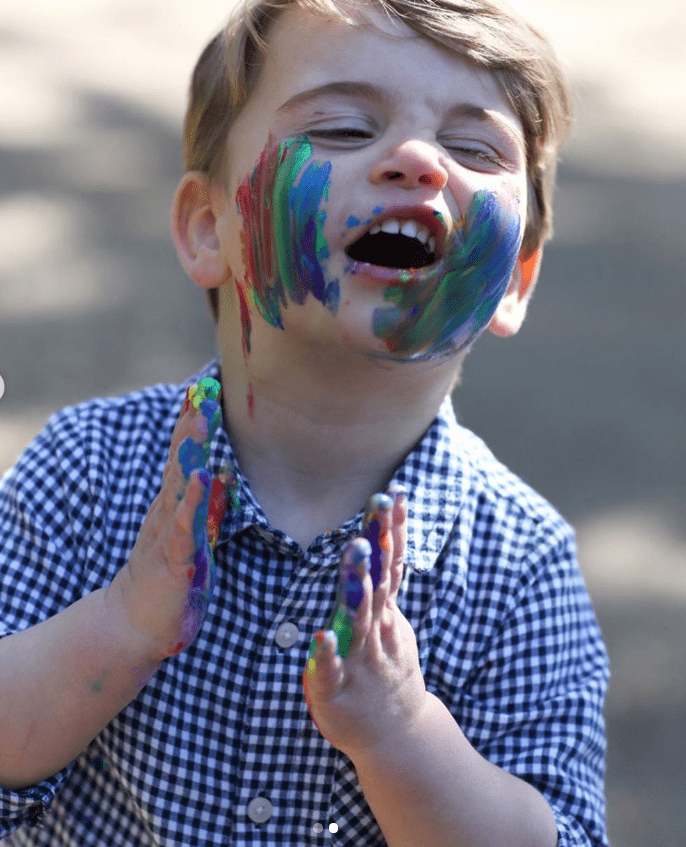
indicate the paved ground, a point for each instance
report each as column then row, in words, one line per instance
column 588, row 404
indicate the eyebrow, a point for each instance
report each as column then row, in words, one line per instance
column 350, row 90
column 378, row 95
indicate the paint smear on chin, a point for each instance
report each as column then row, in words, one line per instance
column 282, row 235
column 443, row 310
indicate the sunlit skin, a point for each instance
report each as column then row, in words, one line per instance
column 332, row 372
column 337, row 398
column 439, row 310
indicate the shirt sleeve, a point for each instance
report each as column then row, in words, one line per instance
column 42, row 500
column 533, row 701
column 556, row 671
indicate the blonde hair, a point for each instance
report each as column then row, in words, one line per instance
column 488, row 32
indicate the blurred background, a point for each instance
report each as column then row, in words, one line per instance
column 588, row 404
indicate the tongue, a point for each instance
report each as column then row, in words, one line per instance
column 390, row 251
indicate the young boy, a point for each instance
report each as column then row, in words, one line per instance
column 367, row 189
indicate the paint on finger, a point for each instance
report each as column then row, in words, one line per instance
column 355, row 563
column 376, row 534
column 207, row 389
column 397, row 492
column 191, row 457
column 354, row 592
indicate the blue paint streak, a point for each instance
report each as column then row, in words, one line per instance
column 303, row 273
column 446, row 307
column 354, row 592
column 371, row 533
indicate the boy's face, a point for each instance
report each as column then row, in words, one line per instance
column 349, row 129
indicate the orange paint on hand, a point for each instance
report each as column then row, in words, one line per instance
column 385, row 542
column 176, row 649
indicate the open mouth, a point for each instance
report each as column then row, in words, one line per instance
column 395, row 244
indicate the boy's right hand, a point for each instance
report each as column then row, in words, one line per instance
column 163, row 591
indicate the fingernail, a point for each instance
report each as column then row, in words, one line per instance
column 206, row 389
column 397, row 491
column 356, row 556
column 330, row 639
column 211, row 387
column 377, row 504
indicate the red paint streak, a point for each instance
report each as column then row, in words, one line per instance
column 246, row 324
column 176, row 649
column 189, row 573
column 251, row 402
column 216, row 511
column 187, row 401
column 256, row 211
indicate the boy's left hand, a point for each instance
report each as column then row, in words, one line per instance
column 363, row 682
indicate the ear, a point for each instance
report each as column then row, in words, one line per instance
column 511, row 311
column 194, row 230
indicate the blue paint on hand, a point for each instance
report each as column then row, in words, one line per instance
column 191, row 456
column 371, row 533
column 354, row 592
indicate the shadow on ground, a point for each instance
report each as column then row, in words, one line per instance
column 587, row 405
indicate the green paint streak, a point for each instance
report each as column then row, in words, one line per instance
column 99, row 684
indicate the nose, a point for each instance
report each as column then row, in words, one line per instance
column 411, row 164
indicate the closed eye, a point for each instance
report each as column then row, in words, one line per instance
column 341, row 134
column 477, row 153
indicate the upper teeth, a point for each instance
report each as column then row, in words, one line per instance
column 412, row 229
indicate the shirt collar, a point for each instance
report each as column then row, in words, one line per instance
column 432, row 473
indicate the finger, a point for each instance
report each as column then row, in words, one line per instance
column 183, row 540
column 377, row 530
column 399, row 532
column 191, row 441
column 324, row 674
column 184, row 423
column 351, row 617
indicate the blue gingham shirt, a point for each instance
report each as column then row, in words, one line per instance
column 218, row 748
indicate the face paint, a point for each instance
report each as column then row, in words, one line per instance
column 282, row 235
column 441, row 310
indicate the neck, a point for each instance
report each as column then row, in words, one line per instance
column 317, row 434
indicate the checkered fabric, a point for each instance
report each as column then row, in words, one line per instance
column 218, row 748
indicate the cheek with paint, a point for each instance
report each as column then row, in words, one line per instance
column 443, row 309
column 282, row 236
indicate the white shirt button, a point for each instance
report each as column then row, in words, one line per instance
column 259, row 810
column 287, row 634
